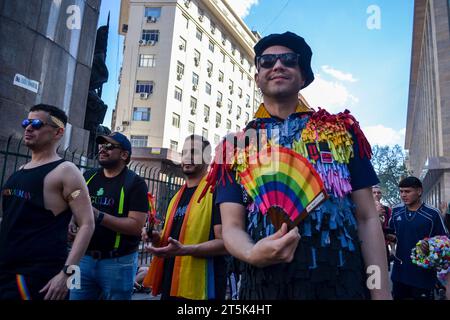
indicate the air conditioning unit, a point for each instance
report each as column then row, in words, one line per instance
column 233, row 52
column 181, row 46
column 187, row 3
column 151, row 42
column 206, row 119
column 193, row 111
column 247, row 105
column 224, row 41
column 196, row 61
column 125, row 123
column 209, row 73
column 201, row 18
column 221, row 78
column 142, row 42
column 179, row 76
column 230, row 110
column 151, row 19
column 213, row 31
column 219, row 103
column 240, row 95
column 194, row 87
column 143, row 95
column 238, row 116
column 217, row 124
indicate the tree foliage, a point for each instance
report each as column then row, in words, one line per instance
column 389, row 164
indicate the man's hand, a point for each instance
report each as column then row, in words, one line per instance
column 173, row 248
column 276, row 248
column 56, row 288
column 155, row 237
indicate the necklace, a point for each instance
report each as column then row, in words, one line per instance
column 410, row 215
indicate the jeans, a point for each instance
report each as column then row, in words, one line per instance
column 106, row 279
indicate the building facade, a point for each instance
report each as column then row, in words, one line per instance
column 187, row 68
column 428, row 118
column 46, row 50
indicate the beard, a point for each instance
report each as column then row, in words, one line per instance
column 193, row 170
column 109, row 163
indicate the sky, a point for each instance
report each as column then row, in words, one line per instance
column 361, row 55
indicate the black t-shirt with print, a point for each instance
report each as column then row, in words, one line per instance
column 219, row 261
column 105, row 196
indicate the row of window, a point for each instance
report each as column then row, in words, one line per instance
column 176, row 120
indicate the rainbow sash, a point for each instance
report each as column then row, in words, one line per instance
column 192, row 278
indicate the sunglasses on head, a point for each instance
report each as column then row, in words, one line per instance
column 36, row 124
column 289, row 60
column 109, row 146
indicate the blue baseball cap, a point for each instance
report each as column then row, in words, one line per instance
column 116, row 138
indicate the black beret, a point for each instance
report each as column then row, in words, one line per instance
column 295, row 43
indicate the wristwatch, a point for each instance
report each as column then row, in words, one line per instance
column 66, row 271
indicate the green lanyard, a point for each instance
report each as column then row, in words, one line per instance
column 120, row 212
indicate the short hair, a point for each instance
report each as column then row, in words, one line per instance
column 410, row 182
column 52, row 110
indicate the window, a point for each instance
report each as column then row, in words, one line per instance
column 187, row 21
column 240, row 92
column 210, row 68
column 141, row 114
column 247, row 101
column 173, row 145
column 199, row 34
column 144, row 87
column 182, row 44
column 213, row 27
column 180, row 68
column 196, row 58
column 219, row 96
column 178, row 94
column 205, row 133
column 218, row 119
column 231, row 86
column 223, row 56
column 147, row 60
column 211, row 46
column 242, row 74
column 249, row 82
column 221, row 76
column 238, row 128
column 224, row 39
column 247, row 117
column 194, row 78
column 216, row 139
column 228, row 124
column 239, row 112
column 232, row 65
column 150, row 35
column 153, row 12
column 206, row 111
column 233, row 49
column 193, row 103
column 230, row 105
column 191, row 127
column 208, row 88
column 176, row 120
column 139, row 141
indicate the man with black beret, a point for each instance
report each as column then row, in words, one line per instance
column 337, row 251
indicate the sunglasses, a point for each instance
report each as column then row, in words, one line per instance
column 289, row 60
column 36, row 124
column 109, row 146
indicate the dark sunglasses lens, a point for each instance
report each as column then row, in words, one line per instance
column 289, row 59
column 25, row 123
column 267, row 61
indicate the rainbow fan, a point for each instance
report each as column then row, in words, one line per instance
column 283, row 185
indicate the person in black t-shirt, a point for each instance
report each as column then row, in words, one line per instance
column 170, row 247
column 38, row 202
column 119, row 199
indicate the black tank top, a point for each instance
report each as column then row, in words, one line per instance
column 33, row 241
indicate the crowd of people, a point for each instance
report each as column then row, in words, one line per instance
column 216, row 225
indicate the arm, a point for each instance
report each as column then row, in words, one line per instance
column 277, row 248
column 372, row 240
column 72, row 180
column 131, row 225
column 209, row 248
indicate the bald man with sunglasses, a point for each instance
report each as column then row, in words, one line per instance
column 38, row 203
